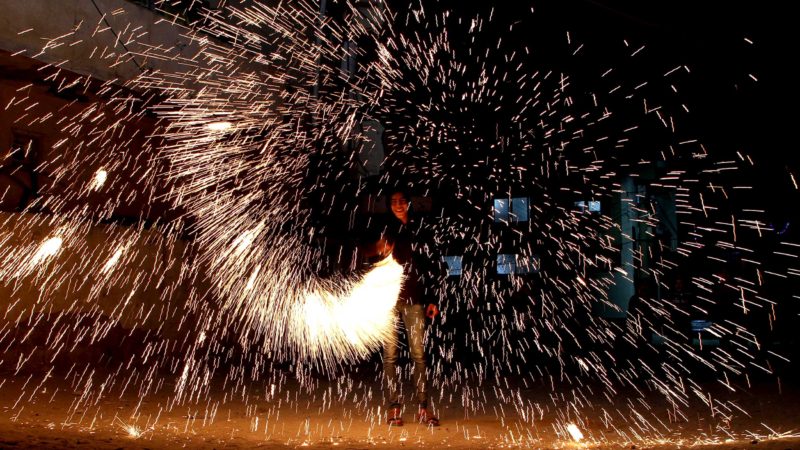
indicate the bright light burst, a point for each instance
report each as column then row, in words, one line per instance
column 99, row 180
column 357, row 322
column 219, row 126
column 575, row 432
column 49, row 248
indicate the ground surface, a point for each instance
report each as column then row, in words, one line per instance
column 53, row 416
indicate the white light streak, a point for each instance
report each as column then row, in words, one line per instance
column 573, row 431
column 49, row 247
column 99, row 179
column 219, row 126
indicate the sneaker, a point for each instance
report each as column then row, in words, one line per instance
column 426, row 417
column 394, row 417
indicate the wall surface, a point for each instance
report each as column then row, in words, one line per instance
column 76, row 36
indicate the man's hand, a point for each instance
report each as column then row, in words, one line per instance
column 432, row 311
column 384, row 248
column 380, row 249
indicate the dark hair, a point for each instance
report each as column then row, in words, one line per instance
column 389, row 193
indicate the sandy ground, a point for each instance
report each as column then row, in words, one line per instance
column 53, row 416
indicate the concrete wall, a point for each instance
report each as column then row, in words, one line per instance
column 107, row 295
column 72, row 34
column 138, row 278
column 75, row 137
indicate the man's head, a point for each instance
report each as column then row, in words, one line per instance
column 399, row 202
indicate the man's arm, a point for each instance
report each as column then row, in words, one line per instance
column 435, row 270
column 378, row 250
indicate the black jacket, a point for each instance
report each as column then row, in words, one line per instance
column 414, row 250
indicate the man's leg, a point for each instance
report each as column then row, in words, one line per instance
column 414, row 318
column 391, row 378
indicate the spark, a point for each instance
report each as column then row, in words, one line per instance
column 112, row 261
column 99, row 179
column 49, row 248
column 575, row 432
column 219, row 126
column 133, row 431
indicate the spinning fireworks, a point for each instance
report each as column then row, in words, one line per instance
column 255, row 155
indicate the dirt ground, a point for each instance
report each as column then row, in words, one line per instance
column 49, row 416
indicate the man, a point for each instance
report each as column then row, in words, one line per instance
column 410, row 311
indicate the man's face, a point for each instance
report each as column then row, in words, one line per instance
column 399, row 205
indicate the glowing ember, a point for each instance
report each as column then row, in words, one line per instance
column 573, row 431
column 133, row 431
column 49, row 247
column 219, row 126
column 99, row 180
column 112, row 261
